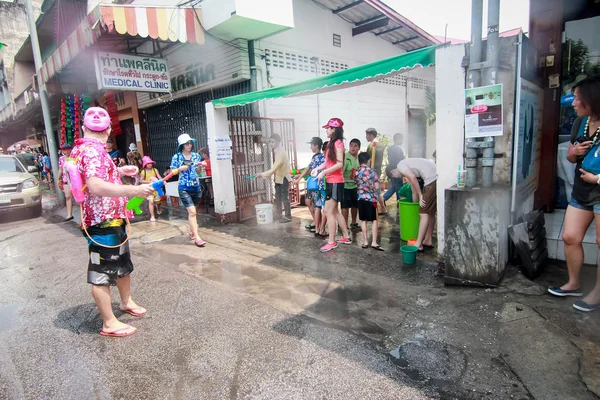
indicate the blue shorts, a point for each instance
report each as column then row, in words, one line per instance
column 575, row 204
column 190, row 197
column 318, row 198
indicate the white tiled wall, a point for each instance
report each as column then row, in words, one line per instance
column 556, row 247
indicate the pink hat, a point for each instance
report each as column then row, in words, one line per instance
column 96, row 119
column 334, row 123
column 147, row 160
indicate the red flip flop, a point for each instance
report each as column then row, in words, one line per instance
column 134, row 312
column 200, row 243
column 122, row 332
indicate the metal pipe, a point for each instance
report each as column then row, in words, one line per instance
column 37, row 59
column 253, row 80
column 474, row 80
column 475, row 51
column 492, row 58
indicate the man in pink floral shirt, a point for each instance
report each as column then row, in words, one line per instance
column 105, row 221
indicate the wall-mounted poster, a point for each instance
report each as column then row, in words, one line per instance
column 483, row 111
column 528, row 139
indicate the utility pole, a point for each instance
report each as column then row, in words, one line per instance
column 37, row 58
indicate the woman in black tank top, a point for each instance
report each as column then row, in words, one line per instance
column 584, row 206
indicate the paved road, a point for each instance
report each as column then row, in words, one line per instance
column 200, row 340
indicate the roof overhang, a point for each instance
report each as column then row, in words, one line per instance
column 168, row 24
column 351, row 77
column 383, row 21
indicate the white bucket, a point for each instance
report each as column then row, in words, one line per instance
column 264, row 213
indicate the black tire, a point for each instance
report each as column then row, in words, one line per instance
column 36, row 211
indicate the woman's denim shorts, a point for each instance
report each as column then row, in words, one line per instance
column 595, row 208
column 190, row 197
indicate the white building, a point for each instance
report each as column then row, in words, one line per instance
column 322, row 42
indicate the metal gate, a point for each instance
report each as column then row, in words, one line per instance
column 187, row 115
column 252, row 154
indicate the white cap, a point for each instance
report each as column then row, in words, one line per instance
column 184, row 138
column 132, row 147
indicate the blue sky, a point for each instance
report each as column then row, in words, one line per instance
column 433, row 15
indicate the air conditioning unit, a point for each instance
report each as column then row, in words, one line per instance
column 247, row 19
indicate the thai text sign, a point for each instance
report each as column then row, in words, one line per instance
column 133, row 73
column 483, row 111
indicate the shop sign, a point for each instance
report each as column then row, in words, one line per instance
column 195, row 74
column 132, row 73
column 483, row 111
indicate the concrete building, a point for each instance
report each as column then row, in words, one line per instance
column 13, row 33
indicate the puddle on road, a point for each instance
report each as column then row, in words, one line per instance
column 9, row 317
column 430, row 361
column 362, row 308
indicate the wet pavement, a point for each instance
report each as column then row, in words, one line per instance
column 260, row 313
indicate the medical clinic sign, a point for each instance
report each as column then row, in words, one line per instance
column 132, row 73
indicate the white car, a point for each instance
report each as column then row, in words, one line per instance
column 19, row 189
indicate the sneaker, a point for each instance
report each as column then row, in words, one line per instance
column 585, row 307
column 557, row 291
column 345, row 241
column 285, row 219
column 329, row 247
column 355, row 226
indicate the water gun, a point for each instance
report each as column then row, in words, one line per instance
column 135, row 203
column 251, row 176
column 77, row 185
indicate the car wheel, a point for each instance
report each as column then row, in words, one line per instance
column 36, row 211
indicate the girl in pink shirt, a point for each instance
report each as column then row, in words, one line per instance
column 331, row 170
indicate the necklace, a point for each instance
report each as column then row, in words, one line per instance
column 587, row 129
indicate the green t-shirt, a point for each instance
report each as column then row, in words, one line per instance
column 350, row 167
column 406, row 192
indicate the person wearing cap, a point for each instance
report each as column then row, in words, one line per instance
column 188, row 163
column 376, row 150
column 331, row 170
column 115, row 154
column 281, row 174
column 315, row 201
column 149, row 174
column 105, row 221
column 63, row 179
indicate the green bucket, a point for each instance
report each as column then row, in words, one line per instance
column 409, row 220
column 409, row 254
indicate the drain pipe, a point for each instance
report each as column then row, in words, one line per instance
column 474, row 78
column 492, row 57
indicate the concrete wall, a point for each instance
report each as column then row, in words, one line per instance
column 287, row 59
column 14, row 30
column 450, row 89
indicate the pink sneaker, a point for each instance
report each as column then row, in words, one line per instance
column 345, row 241
column 329, row 247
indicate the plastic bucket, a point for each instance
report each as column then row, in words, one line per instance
column 409, row 254
column 264, row 213
column 409, row 220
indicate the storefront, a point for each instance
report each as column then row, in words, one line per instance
column 198, row 75
column 567, row 51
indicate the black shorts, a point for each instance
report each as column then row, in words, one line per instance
column 367, row 210
column 106, row 264
column 334, row 191
column 350, row 198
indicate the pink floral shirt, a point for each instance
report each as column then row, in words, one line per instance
column 61, row 164
column 93, row 161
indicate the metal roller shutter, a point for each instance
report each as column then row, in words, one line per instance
column 188, row 115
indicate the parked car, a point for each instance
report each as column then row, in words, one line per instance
column 19, row 189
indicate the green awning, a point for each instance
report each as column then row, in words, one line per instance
column 356, row 76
